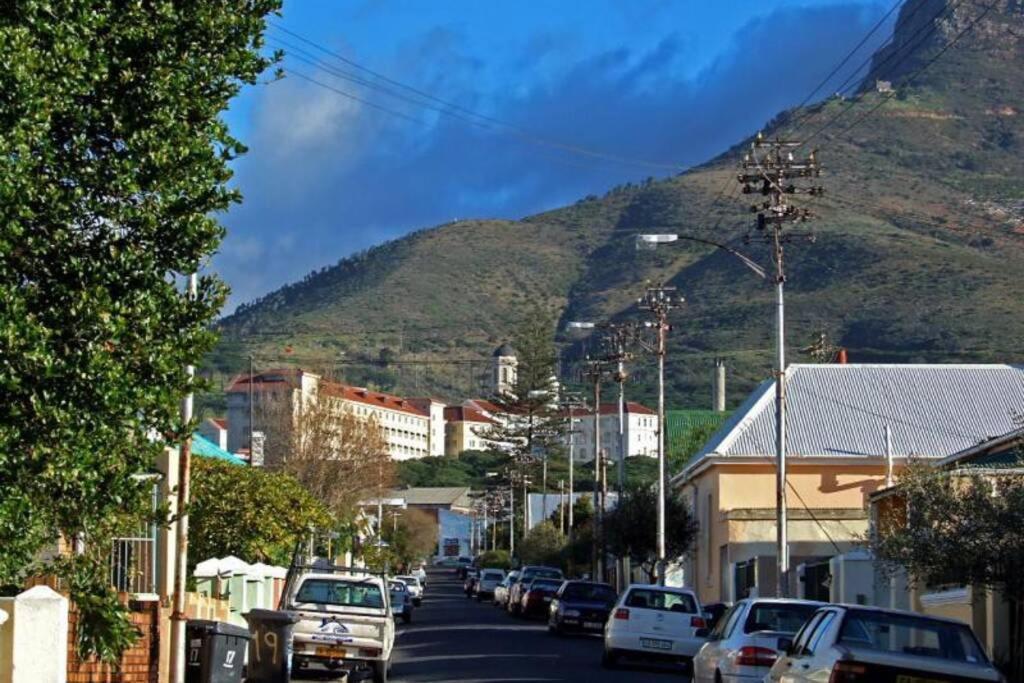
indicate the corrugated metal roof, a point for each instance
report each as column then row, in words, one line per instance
column 842, row 410
column 434, row 495
column 205, row 448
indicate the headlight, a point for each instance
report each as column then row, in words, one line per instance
column 571, row 613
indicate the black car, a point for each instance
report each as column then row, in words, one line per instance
column 581, row 606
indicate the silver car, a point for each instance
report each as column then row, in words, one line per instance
column 855, row 644
column 745, row 642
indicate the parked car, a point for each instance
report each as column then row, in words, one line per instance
column 487, row 582
column 744, row 643
column 415, row 589
column 580, row 606
column 501, row 590
column 856, row 644
column 472, row 574
column 537, row 595
column 345, row 621
column 526, row 575
column 401, row 601
column 654, row 623
column 421, row 575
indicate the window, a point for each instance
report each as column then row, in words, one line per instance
column 804, row 634
column 340, row 593
column 589, row 592
column 665, row 601
column 782, row 617
column 819, row 632
column 725, row 625
column 913, row 635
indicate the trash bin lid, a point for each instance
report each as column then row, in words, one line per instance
column 272, row 615
column 217, row 628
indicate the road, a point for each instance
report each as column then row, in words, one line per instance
column 457, row 640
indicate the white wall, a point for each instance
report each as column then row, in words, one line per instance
column 34, row 641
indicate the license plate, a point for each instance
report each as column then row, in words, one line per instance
column 330, row 651
column 547, row 599
column 656, row 644
column 592, row 624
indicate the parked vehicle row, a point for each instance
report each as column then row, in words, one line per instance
column 755, row 639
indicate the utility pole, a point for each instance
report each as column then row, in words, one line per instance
column 659, row 301
column 177, row 663
column 252, row 410
column 561, row 506
column 596, row 371
column 570, row 403
column 771, row 170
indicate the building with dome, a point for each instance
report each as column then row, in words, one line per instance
column 504, row 365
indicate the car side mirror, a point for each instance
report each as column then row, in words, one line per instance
column 702, row 632
column 785, row 645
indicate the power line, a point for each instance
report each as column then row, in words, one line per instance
column 510, row 128
column 350, row 96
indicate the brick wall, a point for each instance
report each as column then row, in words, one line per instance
column 140, row 664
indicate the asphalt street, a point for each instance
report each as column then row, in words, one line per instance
column 458, row 640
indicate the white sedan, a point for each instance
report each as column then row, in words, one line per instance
column 415, row 589
column 654, row 623
column 745, row 642
column 855, row 644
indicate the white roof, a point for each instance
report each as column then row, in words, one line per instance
column 842, row 410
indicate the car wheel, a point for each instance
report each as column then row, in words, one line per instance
column 718, row 677
column 380, row 671
column 478, row 598
column 609, row 659
column 406, row 617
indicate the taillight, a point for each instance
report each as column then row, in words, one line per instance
column 751, row 655
column 698, row 622
column 848, row 672
column 622, row 613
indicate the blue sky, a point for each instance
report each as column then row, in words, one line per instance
column 667, row 81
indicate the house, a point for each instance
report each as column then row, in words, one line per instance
column 640, row 431
column 466, row 429
column 215, row 429
column 838, row 416
column 986, row 612
column 411, row 427
column 451, row 507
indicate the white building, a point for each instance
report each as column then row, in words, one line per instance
column 640, row 433
column 504, row 368
column 411, row 430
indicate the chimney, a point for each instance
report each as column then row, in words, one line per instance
column 841, row 357
column 718, row 391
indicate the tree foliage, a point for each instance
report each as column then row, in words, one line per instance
column 252, row 513
column 954, row 528
column 114, row 162
column 631, row 528
column 411, row 536
column 543, row 544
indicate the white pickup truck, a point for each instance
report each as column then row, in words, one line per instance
column 345, row 622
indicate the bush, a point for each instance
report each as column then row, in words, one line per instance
column 495, row 559
column 542, row 545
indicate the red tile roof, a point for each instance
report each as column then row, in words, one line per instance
column 270, row 380
column 465, row 414
column 220, row 422
column 372, row 398
column 632, row 408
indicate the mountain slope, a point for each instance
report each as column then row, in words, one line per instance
column 919, row 249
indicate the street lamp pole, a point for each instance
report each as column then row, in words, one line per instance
column 659, row 301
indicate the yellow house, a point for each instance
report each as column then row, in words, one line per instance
column 848, row 425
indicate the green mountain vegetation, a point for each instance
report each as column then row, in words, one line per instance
column 918, row 253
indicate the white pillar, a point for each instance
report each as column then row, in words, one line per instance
column 34, row 641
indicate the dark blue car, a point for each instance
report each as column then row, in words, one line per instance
column 581, row 607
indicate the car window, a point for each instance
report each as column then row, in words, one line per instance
column 492, row 575
column 340, row 593
column 909, row 634
column 725, row 624
column 398, row 586
column 780, row 617
column 546, row 584
column 819, row 632
column 666, row 601
column 589, row 592
column 800, row 642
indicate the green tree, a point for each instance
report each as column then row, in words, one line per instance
column 412, row 536
column 114, row 162
column 952, row 528
column 631, row 528
column 542, row 545
column 252, row 513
